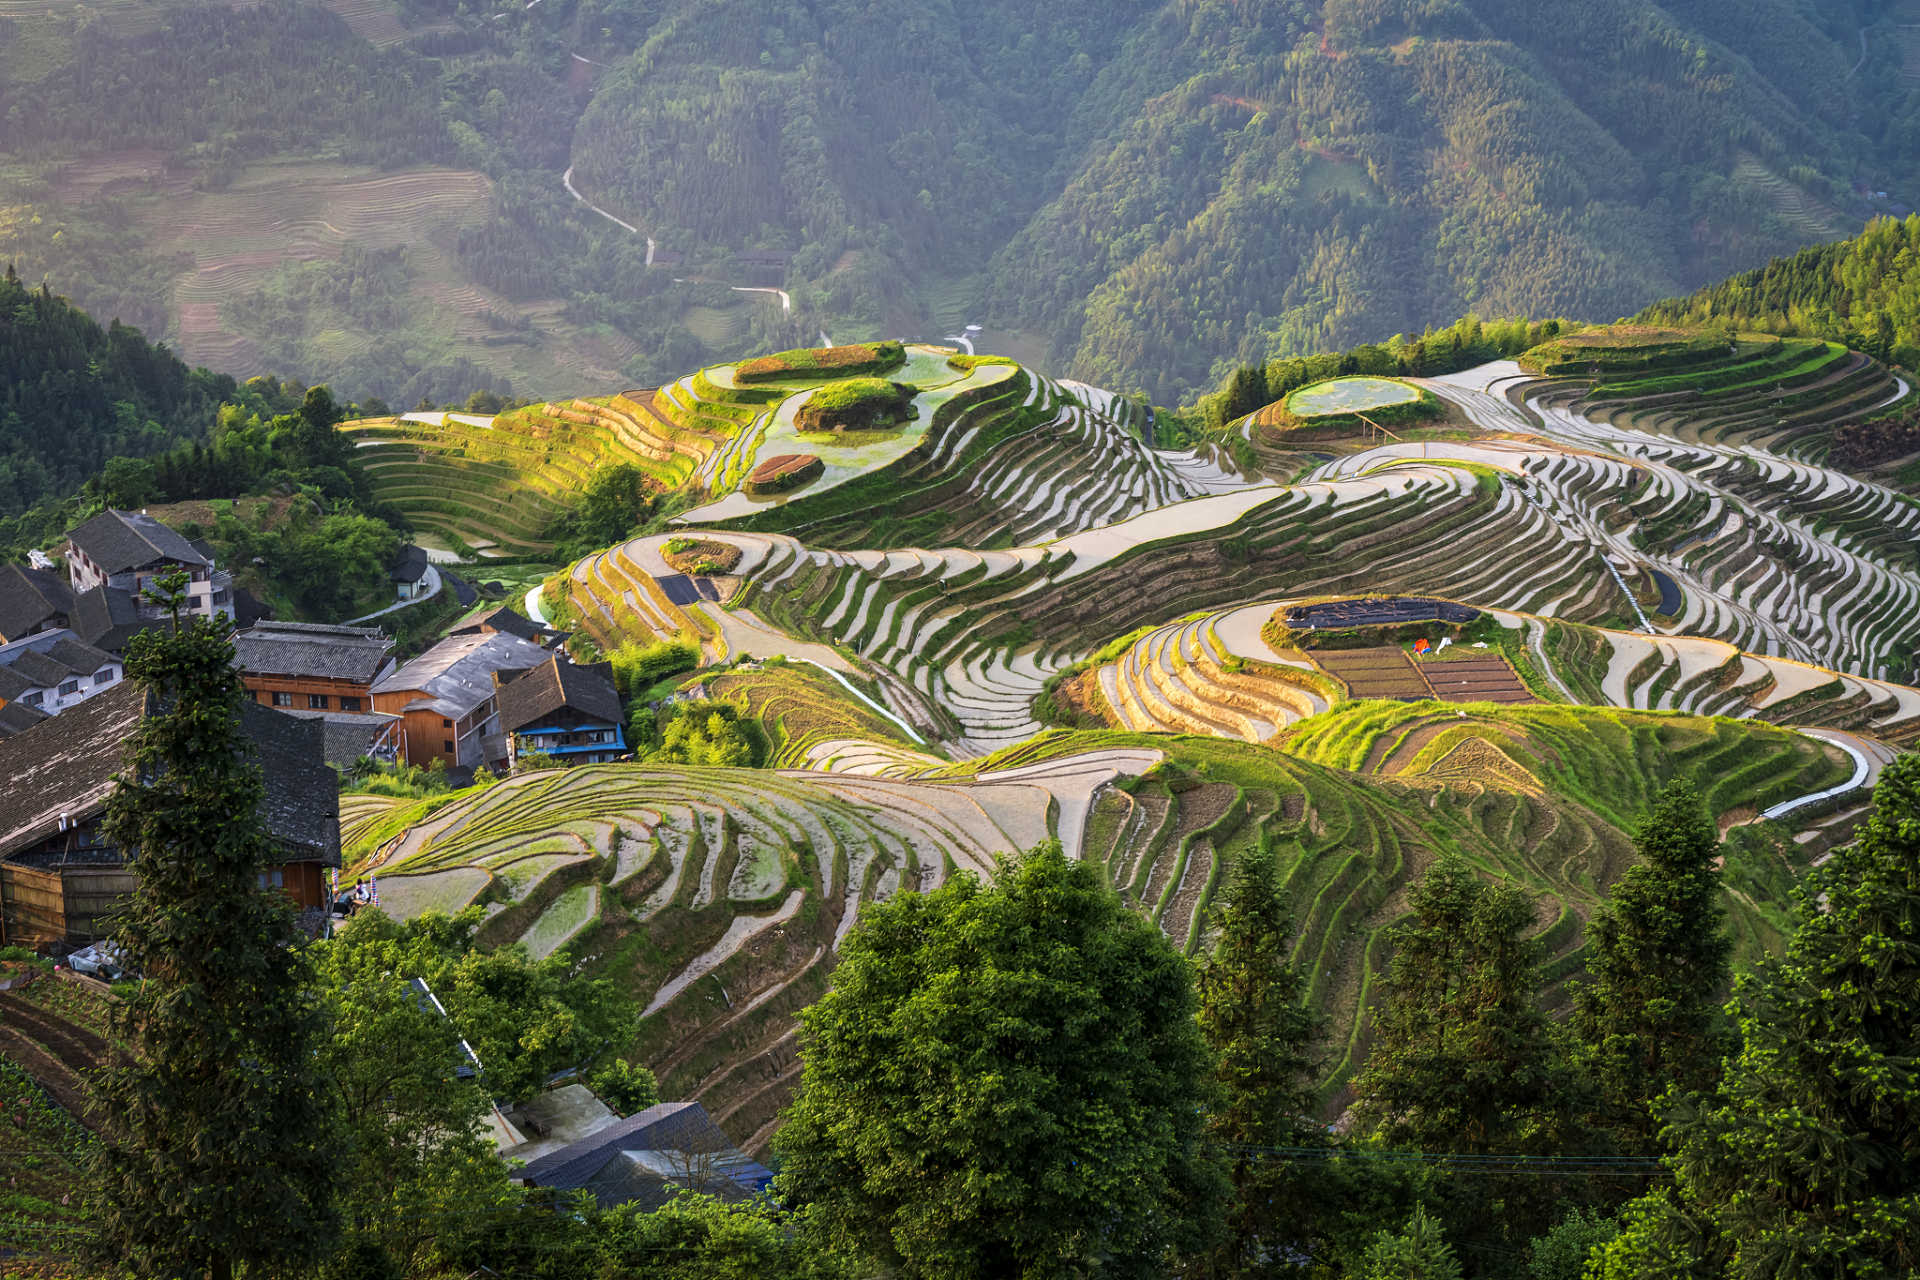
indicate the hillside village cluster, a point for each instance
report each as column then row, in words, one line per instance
column 489, row 691
column 324, row 698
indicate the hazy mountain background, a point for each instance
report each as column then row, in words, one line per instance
column 1144, row 194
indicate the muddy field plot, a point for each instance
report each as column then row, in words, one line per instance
column 1375, row 673
column 1476, row 680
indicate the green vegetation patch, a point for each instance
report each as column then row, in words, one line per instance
column 853, row 360
column 858, row 404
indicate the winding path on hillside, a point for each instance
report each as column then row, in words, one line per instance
column 566, row 180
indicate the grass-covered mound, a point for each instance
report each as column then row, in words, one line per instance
column 1345, row 406
column 700, row 555
column 1622, row 348
column 788, row 471
column 853, row 360
column 858, row 404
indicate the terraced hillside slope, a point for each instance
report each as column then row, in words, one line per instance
column 718, row 897
column 1594, row 608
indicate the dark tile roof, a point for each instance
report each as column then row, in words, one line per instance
column 411, row 566
column 558, row 683
column 13, row 684
column 81, row 659
column 303, row 792
column 349, row 736
column 505, row 619
column 64, row 766
column 456, row 675
column 117, row 541
column 597, row 1160
column 31, row 598
column 17, row 717
column 204, row 547
column 247, row 608
column 43, row 669
column 107, row 618
column 309, row 649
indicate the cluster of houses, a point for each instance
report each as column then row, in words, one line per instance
column 322, row 697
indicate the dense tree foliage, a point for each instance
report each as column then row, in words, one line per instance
column 219, row 1150
column 73, row 395
column 1465, row 1062
column 421, row 1162
column 1262, row 1036
column 1864, row 292
column 1657, row 951
column 1800, row 1163
column 1004, row 1081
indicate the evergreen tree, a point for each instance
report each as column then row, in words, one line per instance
column 1463, row 1060
column 1262, row 1036
column 216, row 1151
column 1801, row 1165
column 1006, row 1080
column 1418, row 1253
column 1657, row 954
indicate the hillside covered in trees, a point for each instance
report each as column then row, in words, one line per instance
column 1140, row 194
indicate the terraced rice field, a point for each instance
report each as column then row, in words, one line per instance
column 716, row 895
column 1062, row 538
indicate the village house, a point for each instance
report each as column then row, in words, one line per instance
column 326, row 673
column 413, row 574
column 61, row 880
column 505, row 619
column 32, row 601
column 644, row 1158
column 310, row 666
column 47, row 673
column 129, row 551
column 569, row 712
column 446, row 696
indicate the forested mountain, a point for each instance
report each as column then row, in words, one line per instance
column 74, row 395
column 1156, row 190
column 1864, row 292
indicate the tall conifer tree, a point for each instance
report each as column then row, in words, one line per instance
column 1802, row 1165
column 1464, row 1062
column 1262, row 1035
column 215, row 1151
column 1658, row 956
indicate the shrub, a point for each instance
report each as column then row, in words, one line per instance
column 625, row 1087
column 636, row 667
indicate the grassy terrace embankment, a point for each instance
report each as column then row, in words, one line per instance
column 505, row 483
column 1544, row 796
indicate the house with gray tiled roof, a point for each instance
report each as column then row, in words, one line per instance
column 45, row 674
column 60, row 877
column 644, row 1158
column 566, row 710
column 32, row 601
column 130, row 550
column 447, row 695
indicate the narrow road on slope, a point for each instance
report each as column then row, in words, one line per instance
column 566, row 180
